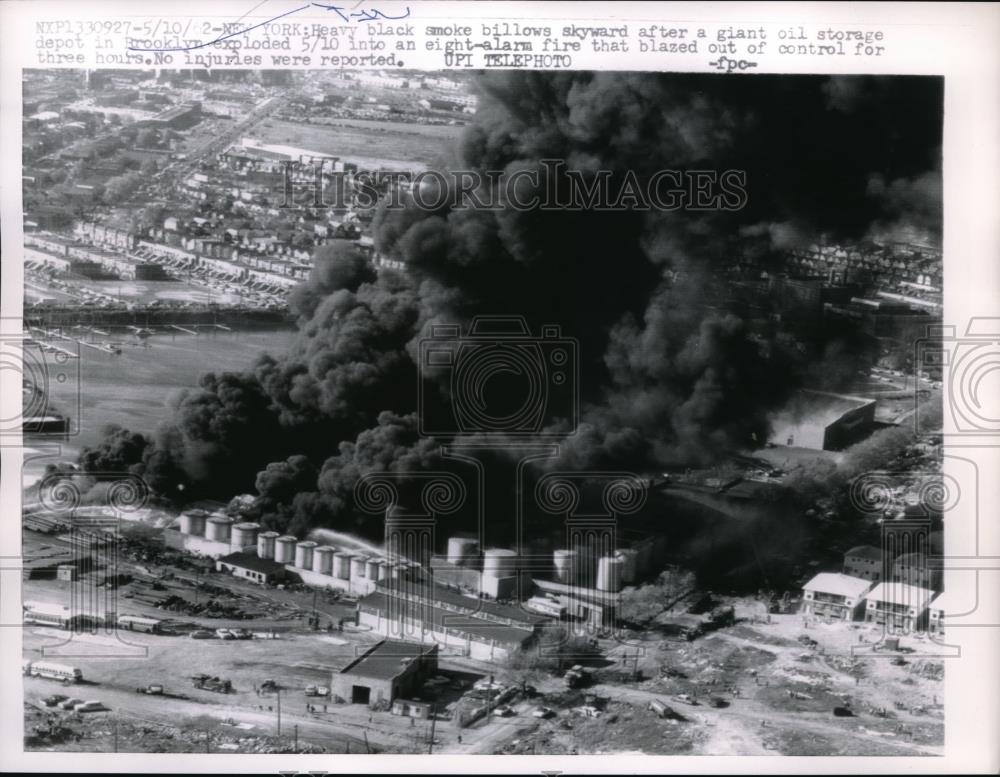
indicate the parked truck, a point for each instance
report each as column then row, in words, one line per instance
column 215, row 684
column 577, row 677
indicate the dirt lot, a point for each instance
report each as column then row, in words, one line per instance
column 768, row 684
column 775, row 695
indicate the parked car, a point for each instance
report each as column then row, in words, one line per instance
column 89, row 706
column 202, row 634
column 503, row 711
column 54, row 699
column 69, row 704
column 542, row 712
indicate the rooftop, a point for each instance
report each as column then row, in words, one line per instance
column 440, row 618
column 449, row 598
column 253, row 562
column 838, row 584
column 901, row 593
column 946, row 602
column 387, row 659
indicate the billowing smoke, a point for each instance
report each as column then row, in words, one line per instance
column 672, row 372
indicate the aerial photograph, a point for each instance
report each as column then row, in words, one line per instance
column 503, row 412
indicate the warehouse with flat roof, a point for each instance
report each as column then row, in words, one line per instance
column 389, row 669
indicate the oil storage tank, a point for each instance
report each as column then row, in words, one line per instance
column 565, row 562
column 266, row 544
column 218, row 528
column 342, row 565
column 193, row 522
column 371, row 571
column 359, row 565
column 609, row 573
column 499, row 562
column 284, row 549
column 462, row 551
column 304, row 554
column 323, row 559
column 244, row 535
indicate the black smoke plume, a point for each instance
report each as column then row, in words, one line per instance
column 671, row 372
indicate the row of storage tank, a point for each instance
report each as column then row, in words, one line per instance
column 304, row 554
column 582, row 567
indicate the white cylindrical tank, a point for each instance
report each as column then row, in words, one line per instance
column 461, row 550
column 499, row 562
column 371, row 569
column 630, row 560
column 265, row 544
column 193, row 522
column 244, row 535
column 609, row 573
column 396, row 570
column 284, row 549
column 565, row 562
column 304, row 554
column 218, row 528
column 359, row 565
column 342, row 565
column 383, row 569
column 323, row 560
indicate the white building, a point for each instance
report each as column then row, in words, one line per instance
column 835, row 595
column 898, row 605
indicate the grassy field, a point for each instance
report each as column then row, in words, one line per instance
column 409, row 146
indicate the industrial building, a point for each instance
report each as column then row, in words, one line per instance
column 422, row 611
column 835, row 595
column 386, row 671
column 864, row 561
column 823, row 421
column 898, row 606
column 266, row 557
column 251, row 567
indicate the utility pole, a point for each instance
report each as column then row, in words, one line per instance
column 296, row 747
column 116, row 731
column 430, row 743
column 208, row 741
column 279, row 711
column 368, row 748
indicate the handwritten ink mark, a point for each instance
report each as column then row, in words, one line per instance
column 365, row 16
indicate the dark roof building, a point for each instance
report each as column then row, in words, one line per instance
column 421, row 610
column 251, row 567
column 387, row 670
